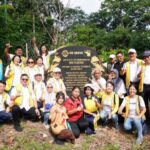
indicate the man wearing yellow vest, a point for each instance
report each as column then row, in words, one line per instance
column 144, row 76
column 131, row 68
column 57, row 82
column 5, row 103
column 24, row 101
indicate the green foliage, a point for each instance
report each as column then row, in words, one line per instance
column 117, row 25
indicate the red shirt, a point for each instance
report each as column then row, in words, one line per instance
column 70, row 104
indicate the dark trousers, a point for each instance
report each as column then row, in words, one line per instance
column 78, row 126
column 90, row 119
column 4, row 116
column 146, row 97
column 66, row 135
column 18, row 113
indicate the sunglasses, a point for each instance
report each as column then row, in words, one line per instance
column 30, row 62
column 49, row 87
column 24, row 79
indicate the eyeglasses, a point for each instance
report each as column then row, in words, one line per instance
column 57, row 72
column 23, row 79
column 49, row 87
column 30, row 62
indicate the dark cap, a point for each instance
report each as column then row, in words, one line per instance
column 146, row 53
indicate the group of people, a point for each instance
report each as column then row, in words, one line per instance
column 121, row 91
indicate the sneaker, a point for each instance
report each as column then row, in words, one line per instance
column 18, row 128
column 139, row 141
column 46, row 126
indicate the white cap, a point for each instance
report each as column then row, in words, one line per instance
column 89, row 85
column 37, row 72
column 57, row 69
column 131, row 50
column 112, row 56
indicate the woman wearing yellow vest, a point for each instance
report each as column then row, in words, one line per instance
column 144, row 76
column 25, row 104
column 13, row 73
column 134, row 112
column 91, row 108
column 30, row 69
column 40, row 67
column 109, row 105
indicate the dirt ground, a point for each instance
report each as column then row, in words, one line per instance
column 35, row 137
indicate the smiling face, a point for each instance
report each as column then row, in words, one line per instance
column 120, row 57
column 40, row 62
column 97, row 74
column 19, row 52
column 76, row 93
column 60, row 101
column 30, row 63
column 16, row 60
column 24, row 80
column 57, row 75
column 132, row 91
column 43, row 49
column 147, row 59
column 88, row 91
column 109, row 88
column 132, row 56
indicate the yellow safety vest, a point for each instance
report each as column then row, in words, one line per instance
column 128, row 72
column 115, row 101
column 18, row 100
column 137, row 106
column 142, row 78
column 4, row 96
column 52, row 81
column 10, row 77
column 90, row 104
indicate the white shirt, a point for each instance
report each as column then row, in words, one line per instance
column 46, row 64
column 25, row 95
column 7, row 100
column 50, row 98
column 98, row 84
column 132, row 105
column 17, row 73
column 30, row 72
column 122, row 89
column 146, row 74
column 133, row 71
column 107, row 104
column 56, row 84
column 41, row 70
column 39, row 89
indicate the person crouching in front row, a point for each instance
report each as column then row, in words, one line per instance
column 91, row 108
column 24, row 101
column 134, row 112
column 109, row 105
column 59, row 125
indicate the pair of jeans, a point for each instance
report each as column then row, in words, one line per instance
column 4, row 116
column 134, row 122
column 46, row 117
column 104, row 116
